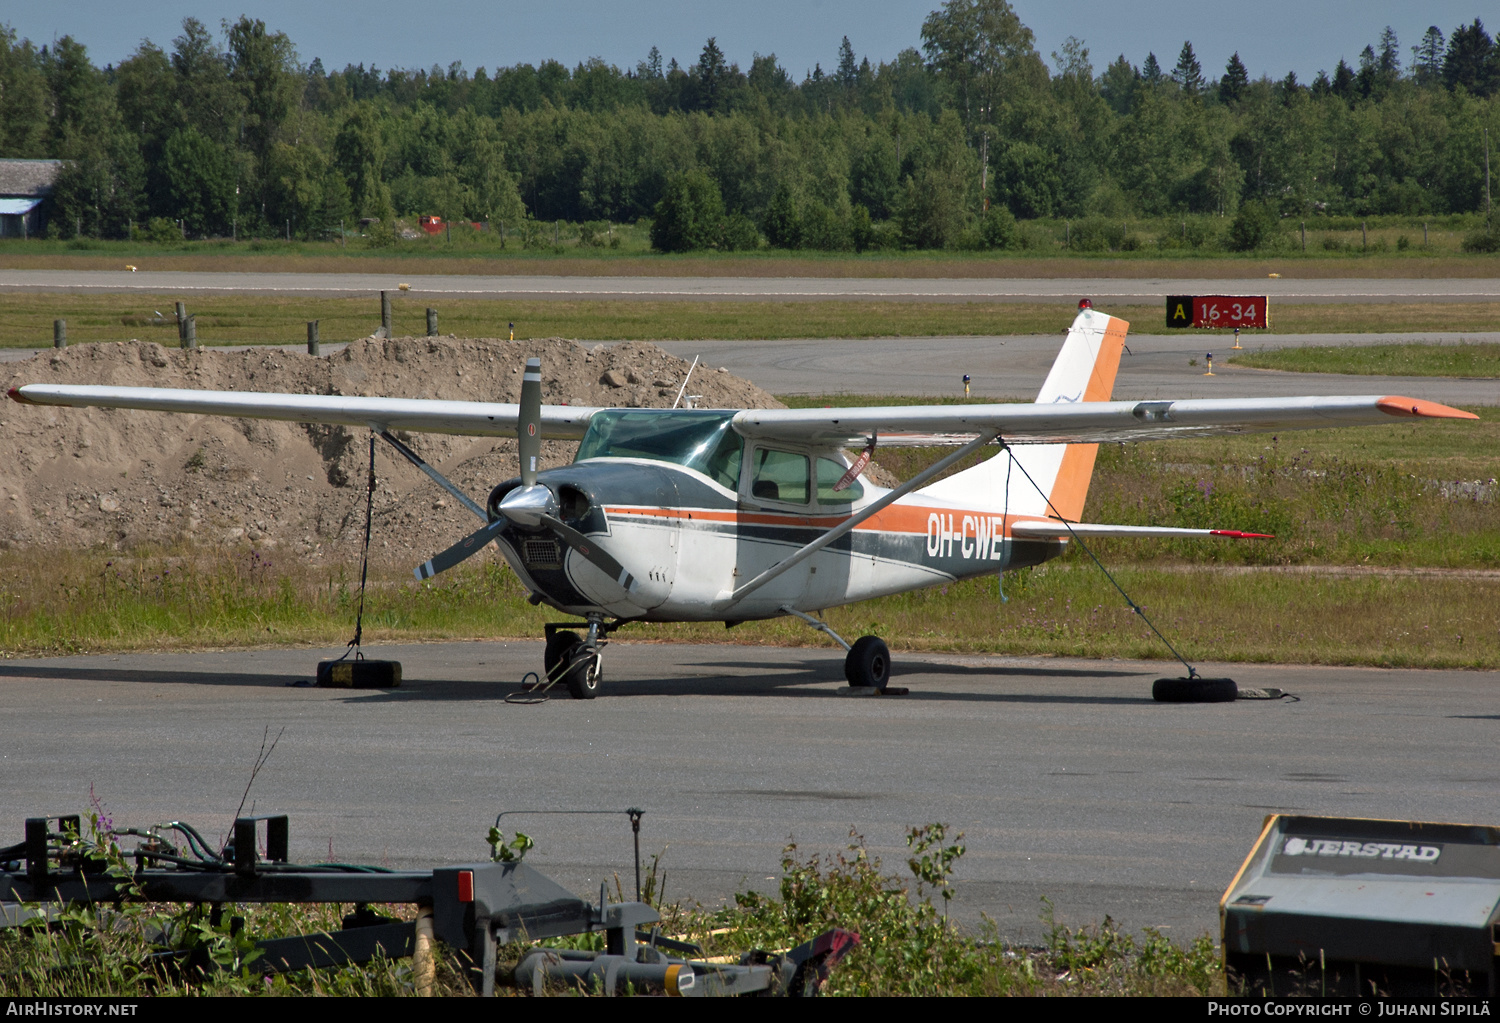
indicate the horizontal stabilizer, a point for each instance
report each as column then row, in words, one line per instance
column 1055, row 530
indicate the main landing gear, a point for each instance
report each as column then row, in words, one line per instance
column 867, row 666
column 574, row 661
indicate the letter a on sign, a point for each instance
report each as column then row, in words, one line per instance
column 1179, row 311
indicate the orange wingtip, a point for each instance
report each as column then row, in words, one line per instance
column 1395, row 405
column 1240, row 534
column 16, row 395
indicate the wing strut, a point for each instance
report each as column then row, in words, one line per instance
column 847, row 526
column 437, row 477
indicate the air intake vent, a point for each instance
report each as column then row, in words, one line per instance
column 542, row 554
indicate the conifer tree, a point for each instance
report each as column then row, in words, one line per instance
column 1427, row 57
column 1188, row 73
column 848, row 70
column 1151, row 72
column 1232, row 86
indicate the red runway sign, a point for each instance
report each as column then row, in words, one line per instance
column 1218, row 311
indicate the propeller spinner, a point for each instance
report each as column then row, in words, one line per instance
column 532, row 505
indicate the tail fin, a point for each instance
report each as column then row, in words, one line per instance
column 1084, row 371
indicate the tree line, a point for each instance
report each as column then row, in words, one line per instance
column 950, row 142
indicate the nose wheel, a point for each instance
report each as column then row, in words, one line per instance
column 575, row 662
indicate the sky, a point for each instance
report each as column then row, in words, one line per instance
column 1272, row 36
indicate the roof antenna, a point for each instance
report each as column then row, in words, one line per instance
column 686, row 379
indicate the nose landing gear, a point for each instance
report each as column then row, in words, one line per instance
column 576, row 662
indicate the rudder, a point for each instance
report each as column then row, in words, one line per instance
column 1084, row 370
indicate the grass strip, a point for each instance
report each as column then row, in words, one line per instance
column 1465, row 359
column 26, row 318
column 475, row 255
column 63, row 603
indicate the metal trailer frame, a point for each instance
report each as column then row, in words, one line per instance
column 474, row 908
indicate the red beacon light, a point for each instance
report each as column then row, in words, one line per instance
column 1084, row 303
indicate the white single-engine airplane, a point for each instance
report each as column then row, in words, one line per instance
column 670, row 515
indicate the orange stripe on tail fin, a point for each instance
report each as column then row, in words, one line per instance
column 1084, row 370
column 1071, row 488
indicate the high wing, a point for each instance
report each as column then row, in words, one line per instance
column 419, row 415
column 1082, row 423
column 896, row 426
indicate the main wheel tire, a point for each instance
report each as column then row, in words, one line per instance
column 868, row 663
column 559, row 646
column 584, row 674
column 1195, row 690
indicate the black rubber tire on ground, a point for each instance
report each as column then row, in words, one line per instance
column 584, row 674
column 868, row 663
column 559, row 646
column 1195, row 690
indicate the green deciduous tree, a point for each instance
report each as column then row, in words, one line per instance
column 1254, row 227
column 977, row 46
column 99, row 188
column 782, row 223
column 1119, row 85
column 24, row 99
column 206, row 98
column 263, row 65
column 690, row 215
column 359, row 154
column 201, row 179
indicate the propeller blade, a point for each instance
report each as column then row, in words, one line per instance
column 465, row 548
column 529, row 425
column 590, row 552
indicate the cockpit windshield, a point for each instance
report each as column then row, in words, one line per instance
column 700, row 439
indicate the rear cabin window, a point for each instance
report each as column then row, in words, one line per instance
column 829, row 474
column 780, row 476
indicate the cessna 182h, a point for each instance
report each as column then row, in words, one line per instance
column 729, row 515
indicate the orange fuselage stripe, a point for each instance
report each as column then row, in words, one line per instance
column 894, row 519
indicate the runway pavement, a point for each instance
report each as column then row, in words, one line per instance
column 1066, row 779
column 1157, row 366
column 780, row 289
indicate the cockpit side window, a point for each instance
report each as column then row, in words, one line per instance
column 780, row 476
column 829, row 474
column 723, row 466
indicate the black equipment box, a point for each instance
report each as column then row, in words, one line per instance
column 1357, row 907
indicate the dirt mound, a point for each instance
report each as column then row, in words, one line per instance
column 76, row 478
